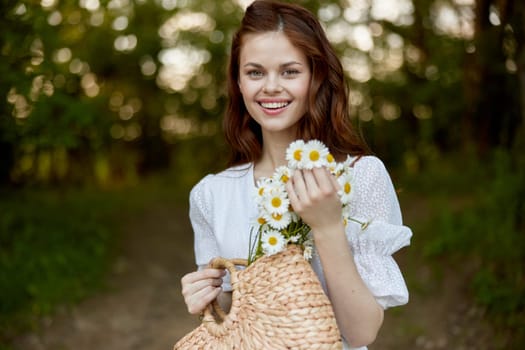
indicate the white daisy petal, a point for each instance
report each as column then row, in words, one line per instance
column 294, row 153
column 331, row 164
column 282, row 174
column 315, row 155
column 348, row 162
column 272, row 242
column 278, row 221
column 260, row 189
column 308, row 253
column 345, row 180
column 275, row 199
column 294, row 239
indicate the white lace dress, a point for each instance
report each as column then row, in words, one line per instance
column 222, row 213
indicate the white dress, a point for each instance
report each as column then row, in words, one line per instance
column 223, row 210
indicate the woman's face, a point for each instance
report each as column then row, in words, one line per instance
column 274, row 78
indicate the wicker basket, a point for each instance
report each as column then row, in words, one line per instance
column 277, row 303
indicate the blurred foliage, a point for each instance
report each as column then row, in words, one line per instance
column 89, row 81
column 57, row 246
column 476, row 229
column 102, row 92
column 58, row 255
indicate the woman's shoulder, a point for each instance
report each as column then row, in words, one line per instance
column 370, row 170
column 229, row 176
column 235, row 172
column 367, row 163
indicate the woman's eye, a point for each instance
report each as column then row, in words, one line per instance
column 255, row 73
column 290, row 72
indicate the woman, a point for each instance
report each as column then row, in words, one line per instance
column 286, row 83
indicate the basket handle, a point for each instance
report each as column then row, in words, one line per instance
column 221, row 263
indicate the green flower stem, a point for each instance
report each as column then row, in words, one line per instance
column 364, row 225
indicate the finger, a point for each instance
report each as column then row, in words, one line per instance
column 324, row 180
column 311, row 184
column 197, row 286
column 299, row 185
column 203, row 274
column 292, row 195
column 196, row 281
column 216, row 282
column 336, row 184
column 198, row 301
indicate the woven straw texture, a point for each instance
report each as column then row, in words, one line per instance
column 277, row 303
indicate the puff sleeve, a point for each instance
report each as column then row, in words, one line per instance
column 205, row 243
column 376, row 202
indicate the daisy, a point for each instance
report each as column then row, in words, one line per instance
column 331, row 164
column 275, row 199
column 294, row 153
column 272, row 242
column 346, row 214
column 346, row 182
column 294, row 238
column 315, row 155
column 339, row 169
column 348, row 162
column 260, row 189
column 261, row 220
column 278, row 221
column 308, row 252
column 282, row 174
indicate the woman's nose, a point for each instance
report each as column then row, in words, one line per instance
column 272, row 85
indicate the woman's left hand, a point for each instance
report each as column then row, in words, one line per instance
column 313, row 196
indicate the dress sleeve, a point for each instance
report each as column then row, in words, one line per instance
column 201, row 217
column 376, row 203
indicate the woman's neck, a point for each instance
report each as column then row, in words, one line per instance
column 273, row 155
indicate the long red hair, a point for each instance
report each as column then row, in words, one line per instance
column 327, row 118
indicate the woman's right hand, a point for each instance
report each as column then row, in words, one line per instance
column 200, row 288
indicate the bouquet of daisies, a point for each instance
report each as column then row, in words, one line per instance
column 277, row 225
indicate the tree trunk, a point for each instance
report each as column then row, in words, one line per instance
column 493, row 97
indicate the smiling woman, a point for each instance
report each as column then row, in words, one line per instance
column 285, row 82
column 273, row 81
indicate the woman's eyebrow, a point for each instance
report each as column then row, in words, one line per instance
column 284, row 65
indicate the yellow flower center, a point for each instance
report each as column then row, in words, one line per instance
column 330, row 158
column 276, row 202
column 272, row 240
column 261, row 191
column 277, row 217
column 297, row 154
column 284, row 178
column 348, row 188
column 261, row 221
column 314, row 156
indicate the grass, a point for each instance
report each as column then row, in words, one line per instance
column 54, row 249
column 57, row 245
column 478, row 225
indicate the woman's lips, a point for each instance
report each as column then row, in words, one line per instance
column 274, row 107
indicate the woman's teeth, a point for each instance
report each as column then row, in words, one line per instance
column 274, row 105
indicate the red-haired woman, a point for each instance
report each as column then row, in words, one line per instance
column 286, row 83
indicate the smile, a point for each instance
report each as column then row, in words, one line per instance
column 274, row 105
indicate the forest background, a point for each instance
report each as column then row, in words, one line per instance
column 109, row 106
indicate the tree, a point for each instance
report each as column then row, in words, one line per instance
column 494, row 91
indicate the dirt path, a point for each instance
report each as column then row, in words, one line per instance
column 440, row 313
column 143, row 308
